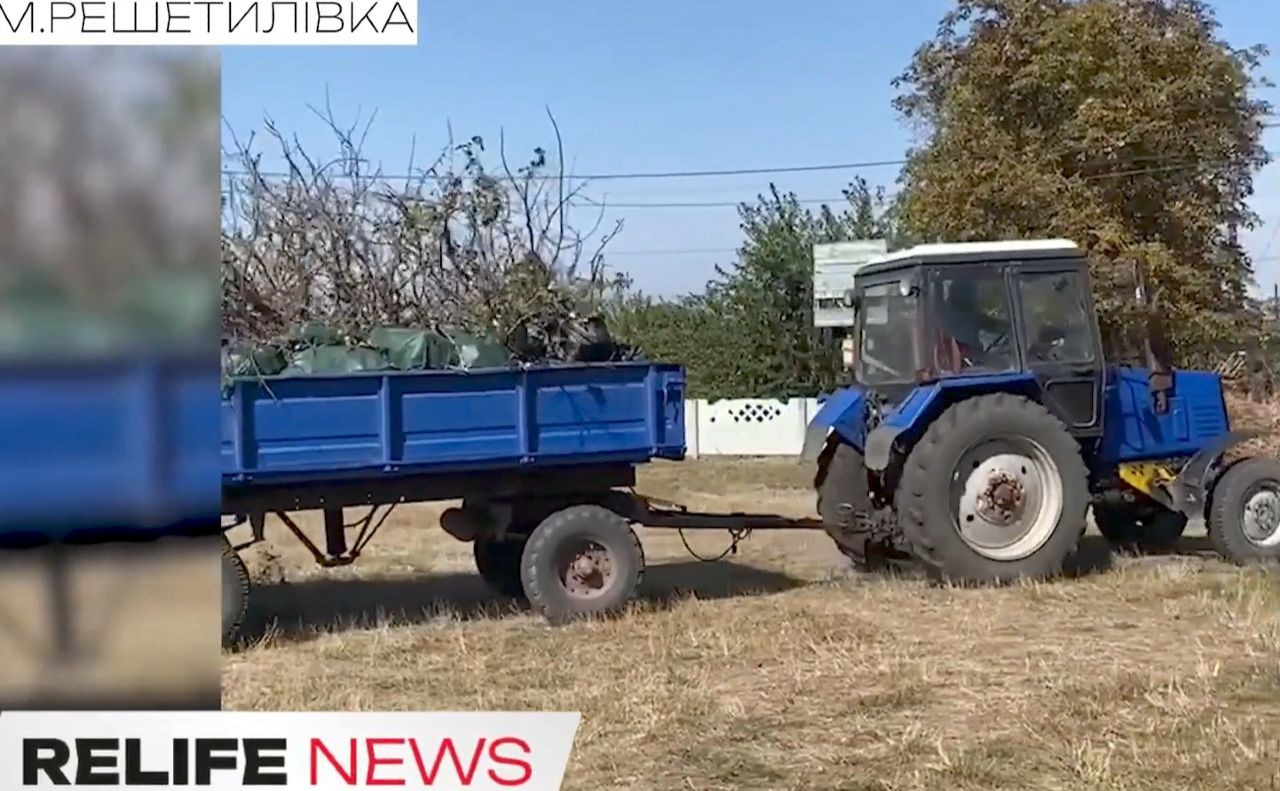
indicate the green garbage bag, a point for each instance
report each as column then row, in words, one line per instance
column 247, row 359
column 476, row 351
column 412, row 349
column 316, row 333
column 51, row 331
column 169, row 306
column 335, row 360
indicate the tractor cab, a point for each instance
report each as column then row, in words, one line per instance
column 981, row 310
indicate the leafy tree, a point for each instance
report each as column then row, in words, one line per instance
column 685, row 330
column 751, row 333
column 1126, row 125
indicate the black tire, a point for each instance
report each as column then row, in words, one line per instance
column 577, row 531
column 925, row 510
column 1227, row 527
column 499, row 565
column 235, row 594
column 841, row 484
column 1140, row 528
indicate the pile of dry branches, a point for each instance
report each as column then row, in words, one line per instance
column 454, row 243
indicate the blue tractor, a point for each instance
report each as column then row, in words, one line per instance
column 984, row 422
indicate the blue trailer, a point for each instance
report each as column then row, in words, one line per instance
column 542, row 459
column 105, row 448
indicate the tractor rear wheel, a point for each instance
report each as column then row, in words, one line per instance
column 1244, row 514
column 1139, row 527
column 994, row 491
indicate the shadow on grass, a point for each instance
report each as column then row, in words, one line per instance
column 1093, row 556
column 295, row 611
column 1187, row 547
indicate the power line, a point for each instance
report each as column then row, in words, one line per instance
column 670, row 174
column 691, row 251
column 584, row 202
column 725, row 250
column 589, row 203
column 652, row 175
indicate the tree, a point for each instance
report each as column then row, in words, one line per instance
column 1125, row 125
column 751, row 333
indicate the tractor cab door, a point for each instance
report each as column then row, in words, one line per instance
column 1060, row 342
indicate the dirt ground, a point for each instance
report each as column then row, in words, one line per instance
column 780, row 669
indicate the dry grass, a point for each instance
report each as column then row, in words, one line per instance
column 778, row 670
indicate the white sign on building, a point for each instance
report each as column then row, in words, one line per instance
column 834, row 266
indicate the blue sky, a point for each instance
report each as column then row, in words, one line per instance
column 660, row 85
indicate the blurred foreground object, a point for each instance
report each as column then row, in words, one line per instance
column 117, row 626
column 106, row 445
column 108, row 430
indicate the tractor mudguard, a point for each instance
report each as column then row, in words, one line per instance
column 906, row 416
column 912, row 416
column 1190, row 487
column 844, row 412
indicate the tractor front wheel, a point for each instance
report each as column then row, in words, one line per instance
column 1244, row 514
column 841, row 484
column 1139, row 527
column 994, row 491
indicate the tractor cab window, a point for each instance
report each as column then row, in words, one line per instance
column 887, row 318
column 1058, row 329
column 972, row 322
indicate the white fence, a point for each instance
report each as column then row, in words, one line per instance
column 747, row 426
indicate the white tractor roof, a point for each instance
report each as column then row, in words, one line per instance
column 1003, row 249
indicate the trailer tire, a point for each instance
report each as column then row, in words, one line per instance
column 582, row 560
column 235, row 593
column 1244, row 515
column 1141, row 528
column 498, row 563
column 1031, row 462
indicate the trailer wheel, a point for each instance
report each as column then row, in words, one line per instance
column 1139, row 528
column 498, row 562
column 1244, row 518
column 994, row 491
column 582, row 560
column 235, row 593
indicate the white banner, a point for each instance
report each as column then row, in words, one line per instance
column 213, row 23
column 324, row 750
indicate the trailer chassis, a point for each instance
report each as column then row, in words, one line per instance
column 561, row 538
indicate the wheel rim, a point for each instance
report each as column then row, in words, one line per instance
column 1262, row 516
column 587, row 570
column 1006, row 497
